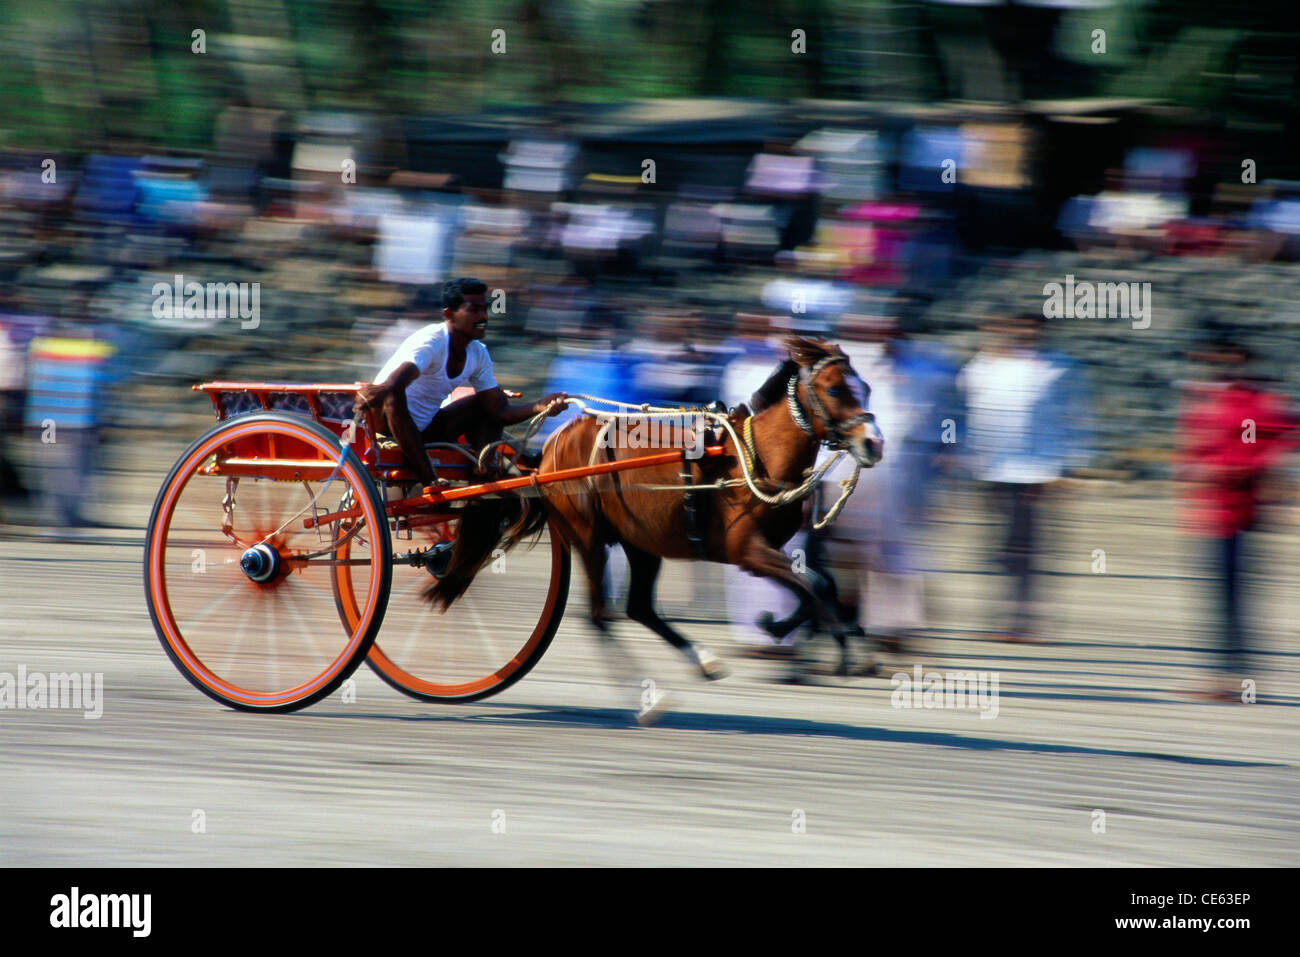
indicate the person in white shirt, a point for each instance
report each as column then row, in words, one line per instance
column 1025, row 430
column 408, row 393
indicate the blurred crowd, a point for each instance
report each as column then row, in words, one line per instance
column 657, row 250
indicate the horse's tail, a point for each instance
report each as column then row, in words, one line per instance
column 485, row 524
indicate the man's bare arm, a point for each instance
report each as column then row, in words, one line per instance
column 388, row 400
column 494, row 401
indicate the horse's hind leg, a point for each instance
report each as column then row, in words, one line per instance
column 643, row 570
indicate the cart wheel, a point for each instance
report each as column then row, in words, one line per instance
column 238, row 589
column 487, row 640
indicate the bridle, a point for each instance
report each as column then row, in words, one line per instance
column 834, row 437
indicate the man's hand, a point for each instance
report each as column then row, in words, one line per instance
column 370, row 396
column 552, row 404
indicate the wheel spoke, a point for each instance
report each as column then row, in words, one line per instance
column 239, row 638
column 211, row 606
column 301, row 623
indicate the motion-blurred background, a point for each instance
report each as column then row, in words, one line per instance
column 656, row 189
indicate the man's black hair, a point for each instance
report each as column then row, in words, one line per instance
column 454, row 291
column 1034, row 317
column 1217, row 335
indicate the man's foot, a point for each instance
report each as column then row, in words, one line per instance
column 1219, row 692
column 1020, row 638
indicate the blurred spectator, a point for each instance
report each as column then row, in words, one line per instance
column 670, row 368
column 693, row 223
column 868, row 242
column 413, row 245
column 1024, row 429
column 597, row 237
column 790, row 182
column 1276, row 222
column 1232, row 435
column 539, row 166
column 811, row 304
column 12, row 378
column 64, row 414
column 1136, row 213
column 877, row 543
column 923, row 152
column 854, row 163
column 588, row 363
column 425, row 307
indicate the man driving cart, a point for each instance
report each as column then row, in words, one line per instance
column 407, row 395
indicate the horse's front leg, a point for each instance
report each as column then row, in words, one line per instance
column 811, row 589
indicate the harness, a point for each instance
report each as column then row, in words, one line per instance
column 750, row 463
column 833, row 433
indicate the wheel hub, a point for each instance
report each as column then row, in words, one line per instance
column 260, row 563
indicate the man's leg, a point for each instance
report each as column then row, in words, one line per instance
column 10, row 425
column 68, row 453
column 468, row 417
column 482, row 520
column 1233, row 640
column 1023, row 542
column 401, row 427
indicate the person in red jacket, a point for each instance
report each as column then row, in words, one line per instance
column 1232, row 434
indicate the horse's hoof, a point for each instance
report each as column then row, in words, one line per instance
column 712, row 668
column 767, row 622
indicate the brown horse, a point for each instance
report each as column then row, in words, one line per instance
column 734, row 526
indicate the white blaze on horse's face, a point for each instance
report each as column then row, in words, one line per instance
column 864, row 440
column 867, row 445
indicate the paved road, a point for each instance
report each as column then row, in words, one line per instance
column 553, row 772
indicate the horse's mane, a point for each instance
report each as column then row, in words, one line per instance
column 807, row 352
column 802, row 352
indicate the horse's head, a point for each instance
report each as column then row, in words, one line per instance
column 827, row 400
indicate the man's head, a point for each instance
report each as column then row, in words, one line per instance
column 1020, row 330
column 464, row 306
column 1219, row 345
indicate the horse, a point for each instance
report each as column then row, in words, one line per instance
column 652, row 524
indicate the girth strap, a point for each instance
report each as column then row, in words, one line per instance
column 694, row 518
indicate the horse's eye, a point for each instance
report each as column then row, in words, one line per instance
column 839, row 392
